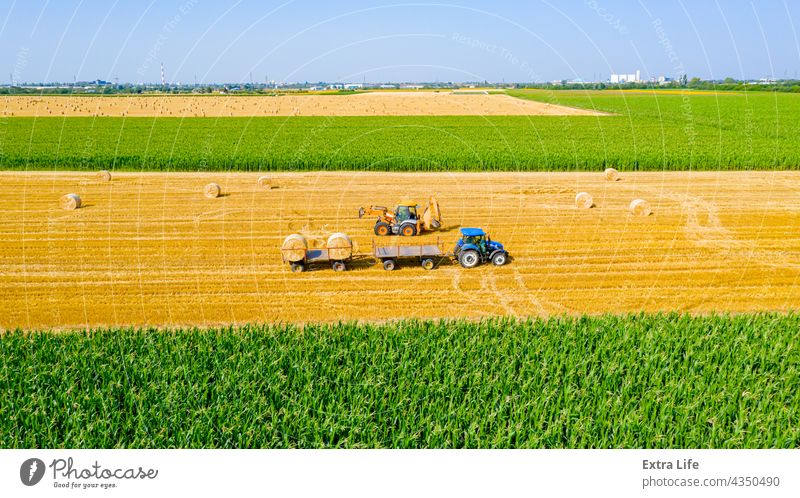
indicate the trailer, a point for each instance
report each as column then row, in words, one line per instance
column 473, row 248
column 315, row 256
column 426, row 254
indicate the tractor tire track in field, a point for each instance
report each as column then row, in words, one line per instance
column 704, row 227
column 153, row 251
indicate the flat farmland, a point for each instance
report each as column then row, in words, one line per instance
column 148, row 249
column 638, row 132
column 360, row 104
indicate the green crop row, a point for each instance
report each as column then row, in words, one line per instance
column 646, row 132
column 655, row 381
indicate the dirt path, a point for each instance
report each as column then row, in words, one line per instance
column 150, row 249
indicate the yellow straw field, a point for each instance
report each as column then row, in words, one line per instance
column 151, row 249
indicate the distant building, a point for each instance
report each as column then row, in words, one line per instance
column 626, row 78
column 353, row 86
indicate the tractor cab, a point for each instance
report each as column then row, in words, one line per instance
column 475, row 246
column 406, row 211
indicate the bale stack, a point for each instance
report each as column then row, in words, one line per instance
column 583, row 200
column 294, row 247
column 640, row 207
column 212, row 190
column 103, row 176
column 70, row 202
column 612, row 175
column 339, row 246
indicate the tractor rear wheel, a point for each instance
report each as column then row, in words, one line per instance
column 428, row 264
column 389, row 264
column 408, row 230
column 499, row 259
column 469, row 259
column 338, row 266
column 382, row 228
column 298, row 267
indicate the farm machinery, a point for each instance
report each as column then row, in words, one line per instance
column 405, row 219
column 474, row 247
column 337, row 252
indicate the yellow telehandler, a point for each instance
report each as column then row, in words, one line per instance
column 405, row 219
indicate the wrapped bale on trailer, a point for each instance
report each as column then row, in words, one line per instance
column 337, row 252
column 426, row 254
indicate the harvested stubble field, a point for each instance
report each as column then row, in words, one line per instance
column 150, row 249
column 361, row 104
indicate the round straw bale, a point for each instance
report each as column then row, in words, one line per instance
column 583, row 200
column 103, row 176
column 294, row 247
column 339, row 246
column 265, row 182
column 612, row 175
column 640, row 207
column 212, row 190
column 70, row 202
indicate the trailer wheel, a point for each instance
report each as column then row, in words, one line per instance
column 469, row 258
column 382, row 228
column 428, row 264
column 338, row 266
column 389, row 264
column 298, row 267
column 408, row 230
column 499, row 259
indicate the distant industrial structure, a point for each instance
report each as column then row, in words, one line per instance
column 626, row 78
column 268, row 86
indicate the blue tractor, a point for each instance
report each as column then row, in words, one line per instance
column 476, row 247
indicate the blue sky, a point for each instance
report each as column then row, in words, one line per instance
column 218, row 41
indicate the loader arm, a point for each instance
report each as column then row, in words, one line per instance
column 432, row 217
column 379, row 211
